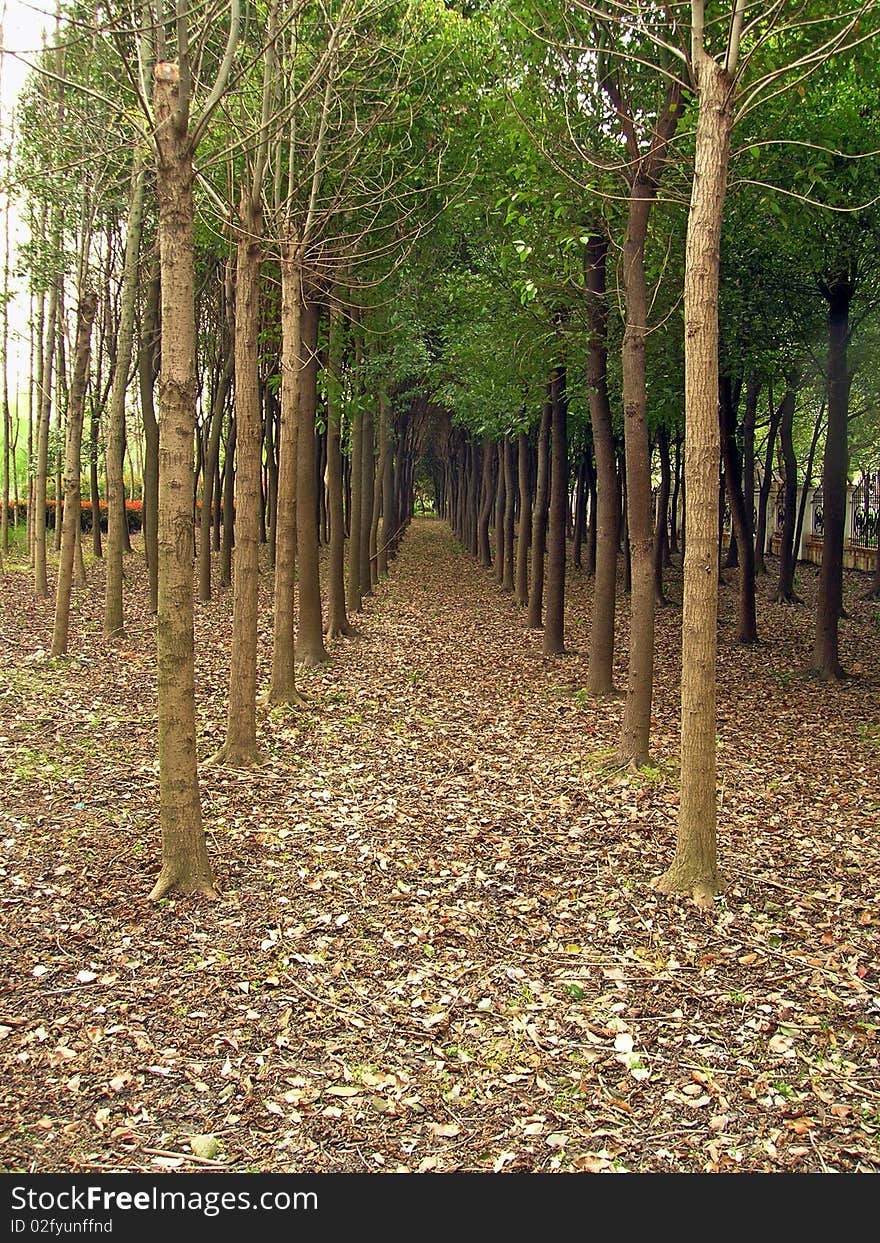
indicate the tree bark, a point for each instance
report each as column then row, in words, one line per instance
column 117, row 520
column 240, row 747
column 747, row 624
column 829, row 604
column 148, row 371
column 72, row 464
column 484, row 517
column 185, row 863
column 767, row 478
column 601, row 673
column 694, row 869
column 661, row 525
column 535, row 618
column 525, row 521
column 507, row 581
column 785, row 593
column 554, row 617
column 337, row 618
column 310, row 631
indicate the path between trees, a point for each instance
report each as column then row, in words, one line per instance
column 437, row 947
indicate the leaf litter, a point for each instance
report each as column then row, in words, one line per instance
column 437, row 946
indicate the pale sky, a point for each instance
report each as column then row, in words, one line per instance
column 22, row 26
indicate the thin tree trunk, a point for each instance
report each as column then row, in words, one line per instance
column 282, row 681
column 148, row 371
column 507, row 580
column 500, row 504
column 484, row 549
column 662, row 521
column 554, row 618
column 785, row 593
column 310, row 632
column 829, row 603
column 240, row 746
column 808, row 478
column 337, row 619
column 767, row 478
column 747, row 627
column 525, row 521
column 601, row 671
column 228, row 541
column 355, row 600
column 72, row 462
column 117, row 519
column 41, row 583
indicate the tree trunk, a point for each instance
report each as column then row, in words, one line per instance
column 500, row 507
column 525, row 521
column 785, row 593
column 507, row 581
column 539, row 518
column 310, row 631
column 337, row 618
column 747, row 628
column 694, row 869
column 388, row 515
column 829, row 604
column 636, row 727
column 73, row 451
column 662, row 520
column 148, row 371
column 368, row 480
column 484, row 549
column 554, row 618
column 579, row 519
column 355, row 600
column 185, row 862
column 767, row 478
column 212, row 457
column 282, row 679
column 808, row 477
column 228, row 541
column 240, row 747
column 601, row 674
column 41, row 582
column 117, row 519
column 379, row 473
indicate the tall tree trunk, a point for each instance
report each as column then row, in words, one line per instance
column 240, row 746
column 808, row 478
column 388, row 514
column 379, row 473
column 776, row 413
column 554, row 618
column 185, row 863
column 368, row 479
column 212, row 457
column 72, row 464
column 337, row 618
column 41, row 582
column 579, row 519
column 282, row 679
column 753, row 392
column 310, row 631
column 829, row 603
column 228, row 541
column 785, row 593
column 539, row 518
column 601, row 674
column 694, row 869
column 636, row 727
column 117, row 519
column 500, row 506
column 148, row 371
column 747, row 625
column 525, row 520
column 484, row 550
column 507, row 581
column 661, row 524
column 355, row 599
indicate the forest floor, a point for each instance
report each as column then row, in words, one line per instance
column 437, row 946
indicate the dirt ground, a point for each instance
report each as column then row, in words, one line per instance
column 437, row 946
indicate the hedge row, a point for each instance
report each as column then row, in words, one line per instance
column 133, row 509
